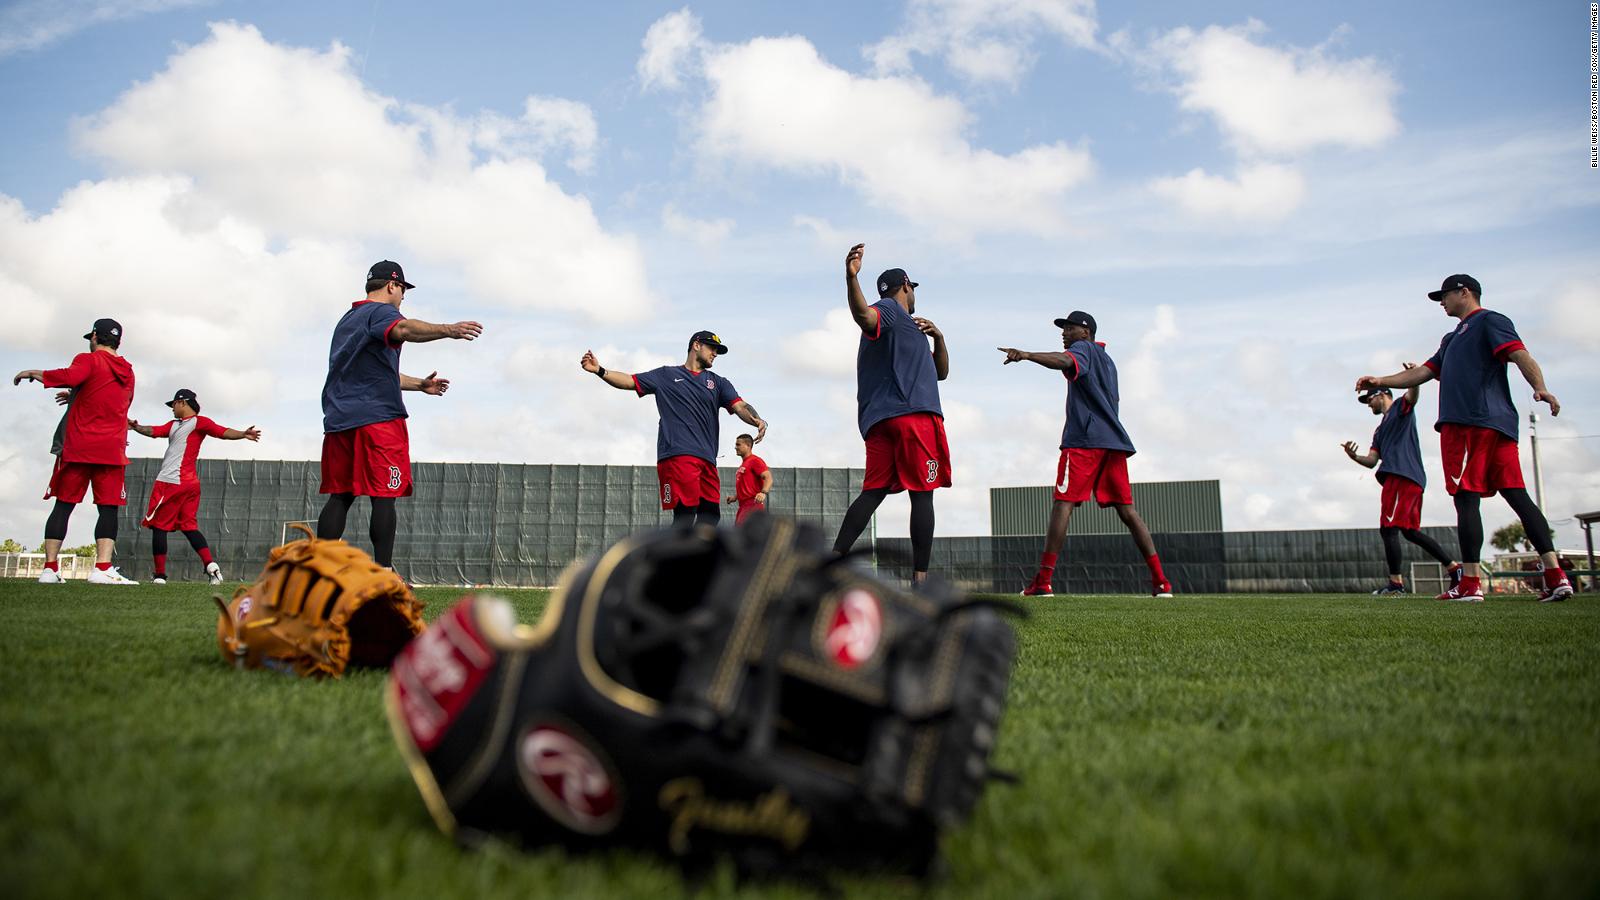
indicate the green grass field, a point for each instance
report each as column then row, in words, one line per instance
column 1316, row 746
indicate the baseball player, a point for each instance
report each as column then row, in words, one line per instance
column 1394, row 443
column 752, row 483
column 1094, row 449
column 93, row 448
column 687, row 399
column 1478, row 427
column 175, row 496
column 897, row 407
column 366, row 450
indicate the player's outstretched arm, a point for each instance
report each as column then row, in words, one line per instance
column 1535, row 377
column 249, row 434
column 433, row 384
column 28, row 375
column 416, row 331
column 748, row 414
column 1058, row 361
column 622, row 381
column 1369, row 460
column 866, row 317
column 1405, row 378
column 941, row 353
column 146, row 430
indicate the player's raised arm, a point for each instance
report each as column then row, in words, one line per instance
column 1057, row 361
column 1413, row 392
column 432, row 384
column 249, row 434
column 748, row 414
column 1369, row 459
column 866, row 317
column 1529, row 367
column 1405, row 378
column 622, row 381
column 416, row 331
column 941, row 353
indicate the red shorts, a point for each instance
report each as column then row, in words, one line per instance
column 173, row 507
column 907, row 453
column 746, row 510
column 1479, row 460
column 368, row 461
column 1093, row 470
column 70, row 481
column 688, row 480
column 1402, row 503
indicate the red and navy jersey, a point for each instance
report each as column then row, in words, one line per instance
column 895, row 375
column 688, row 403
column 363, row 383
column 183, row 447
column 1395, row 439
column 747, row 482
column 97, row 421
column 1471, row 368
column 1092, row 401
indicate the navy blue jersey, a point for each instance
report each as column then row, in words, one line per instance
column 895, row 375
column 1093, row 401
column 1395, row 439
column 688, row 404
column 363, row 383
column 1471, row 368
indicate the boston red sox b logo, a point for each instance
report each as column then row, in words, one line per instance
column 666, row 494
column 568, row 780
column 394, row 478
column 933, row 470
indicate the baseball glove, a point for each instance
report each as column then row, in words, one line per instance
column 705, row 693
column 317, row 607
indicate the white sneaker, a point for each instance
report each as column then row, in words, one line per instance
column 50, row 576
column 109, row 576
column 159, row 579
column 215, row 571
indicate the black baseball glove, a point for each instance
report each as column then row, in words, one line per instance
column 701, row 693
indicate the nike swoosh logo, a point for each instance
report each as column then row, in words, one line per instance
column 1394, row 509
column 1061, row 488
column 1456, row 479
column 675, row 380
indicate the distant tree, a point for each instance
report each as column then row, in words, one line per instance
column 86, row 551
column 11, row 546
column 1512, row 537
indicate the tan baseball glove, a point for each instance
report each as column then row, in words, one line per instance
column 318, row 606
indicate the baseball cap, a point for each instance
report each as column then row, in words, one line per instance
column 186, row 396
column 890, row 281
column 389, row 270
column 1078, row 317
column 710, row 339
column 109, row 331
column 1455, row 282
column 1367, row 395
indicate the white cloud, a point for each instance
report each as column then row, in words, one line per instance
column 34, row 24
column 705, row 232
column 775, row 102
column 1574, row 314
column 983, row 40
column 1261, row 192
column 671, row 48
column 289, row 142
column 827, row 351
column 1272, row 100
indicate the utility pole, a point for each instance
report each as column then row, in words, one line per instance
column 1533, row 446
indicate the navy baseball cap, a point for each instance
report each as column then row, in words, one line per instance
column 1456, row 282
column 186, row 396
column 890, row 281
column 1367, row 395
column 710, row 339
column 1078, row 317
column 389, row 270
column 108, row 331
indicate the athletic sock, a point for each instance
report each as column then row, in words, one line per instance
column 1154, row 562
column 161, row 565
column 1453, row 567
column 1397, row 581
column 205, row 555
column 102, row 566
column 1047, row 568
column 53, row 566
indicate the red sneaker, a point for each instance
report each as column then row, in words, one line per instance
column 1555, row 593
column 1161, row 589
column 1470, row 590
column 1037, row 588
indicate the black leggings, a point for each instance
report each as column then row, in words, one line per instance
column 1469, row 522
column 860, row 513
column 1391, row 546
column 158, row 541
column 686, row 516
column 55, row 527
column 385, row 521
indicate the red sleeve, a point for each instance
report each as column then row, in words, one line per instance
column 1508, row 348
column 1405, row 404
column 1071, row 373
column 73, row 375
column 210, row 428
column 758, row 465
column 390, row 341
column 734, row 402
column 162, row 430
column 637, row 387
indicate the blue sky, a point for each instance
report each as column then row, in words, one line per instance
column 1252, row 199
